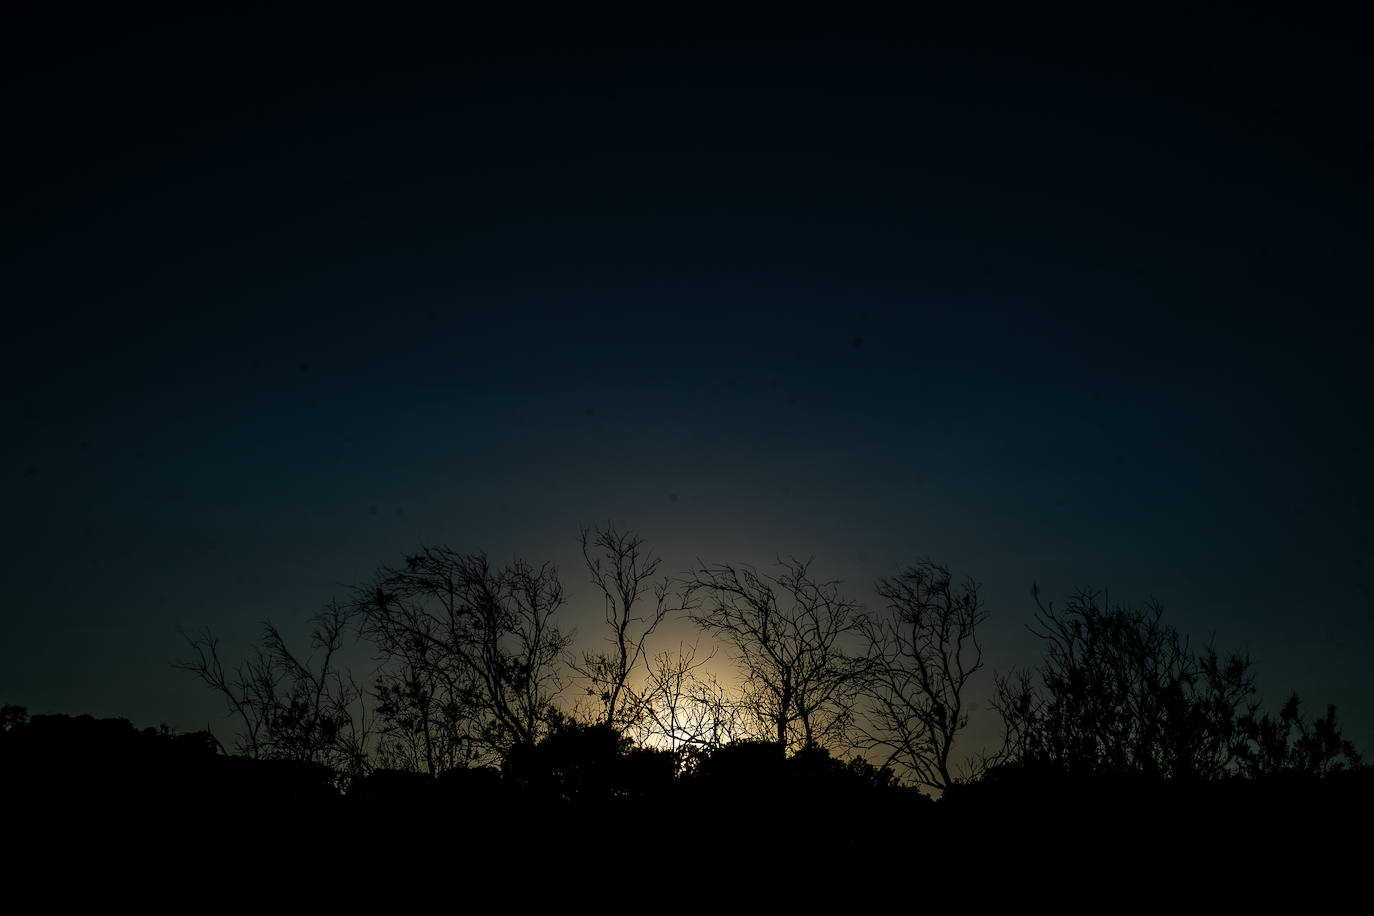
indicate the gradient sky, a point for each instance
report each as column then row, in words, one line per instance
column 1081, row 303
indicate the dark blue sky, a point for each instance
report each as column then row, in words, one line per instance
column 1077, row 303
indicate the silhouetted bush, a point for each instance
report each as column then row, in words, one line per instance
column 588, row 763
column 1121, row 693
column 741, row 765
column 1292, row 744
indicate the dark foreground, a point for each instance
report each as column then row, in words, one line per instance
column 95, row 797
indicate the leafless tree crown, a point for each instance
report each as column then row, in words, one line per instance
column 789, row 632
column 925, row 651
column 685, row 706
column 289, row 707
column 481, row 640
column 635, row 603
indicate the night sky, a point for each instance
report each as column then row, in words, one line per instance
column 1082, row 303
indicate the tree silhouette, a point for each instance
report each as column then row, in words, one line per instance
column 1120, row 692
column 925, row 650
column 483, row 640
column 425, row 726
column 788, row 631
column 685, row 706
column 292, row 708
column 623, row 572
column 471, row 664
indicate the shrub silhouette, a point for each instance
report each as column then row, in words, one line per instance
column 588, row 762
column 1121, row 701
column 1120, row 692
column 1290, row 744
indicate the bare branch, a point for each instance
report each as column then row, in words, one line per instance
column 925, row 651
column 471, row 654
column 634, row 607
column 788, row 633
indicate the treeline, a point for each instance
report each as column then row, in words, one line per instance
column 472, row 670
column 842, row 718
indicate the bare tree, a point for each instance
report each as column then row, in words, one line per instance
column 788, row 632
column 293, row 708
column 685, row 706
column 925, row 650
column 249, row 690
column 481, row 639
column 1121, row 692
column 634, row 606
column 1021, row 706
column 426, row 727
